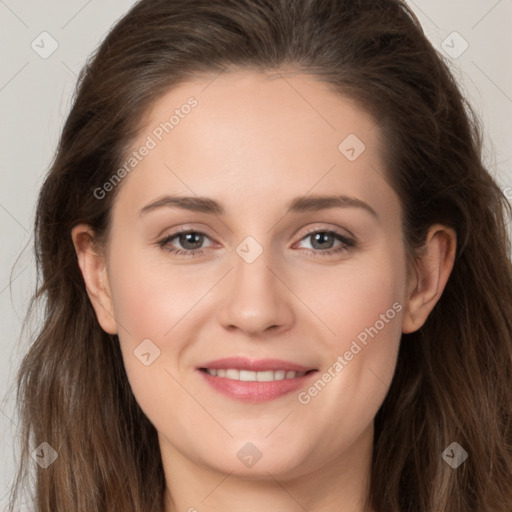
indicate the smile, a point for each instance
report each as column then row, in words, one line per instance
column 252, row 376
column 255, row 381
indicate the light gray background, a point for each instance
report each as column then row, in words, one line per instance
column 35, row 95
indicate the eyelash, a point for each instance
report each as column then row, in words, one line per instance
column 347, row 243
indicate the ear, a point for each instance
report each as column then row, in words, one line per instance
column 429, row 277
column 94, row 271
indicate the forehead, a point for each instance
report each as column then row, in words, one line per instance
column 274, row 108
column 249, row 136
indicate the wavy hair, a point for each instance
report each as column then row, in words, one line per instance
column 453, row 380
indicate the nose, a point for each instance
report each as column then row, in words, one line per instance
column 256, row 299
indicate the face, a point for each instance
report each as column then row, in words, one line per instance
column 260, row 319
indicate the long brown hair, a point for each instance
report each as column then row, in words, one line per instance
column 453, row 381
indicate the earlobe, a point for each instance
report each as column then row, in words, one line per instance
column 94, row 272
column 432, row 271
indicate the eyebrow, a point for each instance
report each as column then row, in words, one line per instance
column 297, row 205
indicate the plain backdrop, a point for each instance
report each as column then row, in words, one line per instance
column 35, row 97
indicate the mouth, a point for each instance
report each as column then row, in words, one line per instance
column 254, row 381
column 252, row 376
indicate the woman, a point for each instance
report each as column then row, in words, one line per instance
column 195, row 355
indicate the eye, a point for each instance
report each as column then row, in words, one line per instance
column 191, row 241
column 322, row 242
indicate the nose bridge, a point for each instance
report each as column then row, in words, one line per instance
column 252, row 263
column 255, row 299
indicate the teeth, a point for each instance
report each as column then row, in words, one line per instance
column 250, row 376
column 232, row 374
column 263, row 376
column 247, row 375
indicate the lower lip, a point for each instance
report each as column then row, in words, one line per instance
column 254, row 391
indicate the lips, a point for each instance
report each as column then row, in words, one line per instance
column 255, row 380
column 243, row 363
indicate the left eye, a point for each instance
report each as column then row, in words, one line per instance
column 191, row 241
column 325, row 240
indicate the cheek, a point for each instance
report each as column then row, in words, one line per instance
column 360, row 297
column 149, row 300
column 156, row 306
column 364, row 309
column 151, row 297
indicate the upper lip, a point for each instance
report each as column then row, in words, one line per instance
column 256, row 365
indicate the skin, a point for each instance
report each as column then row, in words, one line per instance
column 254, row 142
